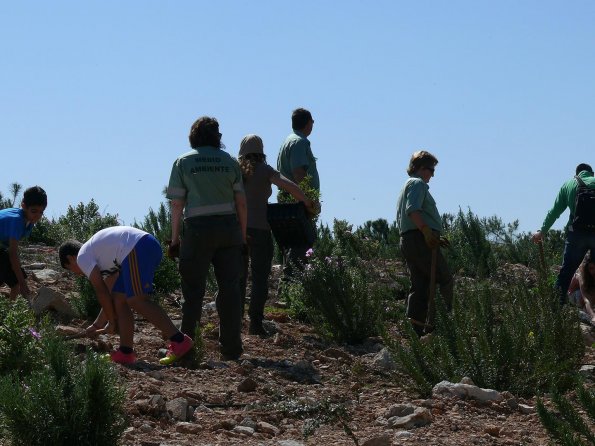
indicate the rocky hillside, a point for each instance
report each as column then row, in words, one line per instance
column 291, row 389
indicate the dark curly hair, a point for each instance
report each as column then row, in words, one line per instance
column 249, row 161
column 205, row 132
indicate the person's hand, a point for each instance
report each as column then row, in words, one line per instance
column 312, row 207
column 537, row 237
column 93, row 330
column 25, row 291
column 110, row 328
column 173, row 249
column 432, row 240
column 444, row 242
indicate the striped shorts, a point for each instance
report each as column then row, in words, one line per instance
column 138, row 268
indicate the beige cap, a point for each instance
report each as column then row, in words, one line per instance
column 251, row 144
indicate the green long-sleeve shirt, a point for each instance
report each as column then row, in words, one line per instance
column 566, row 199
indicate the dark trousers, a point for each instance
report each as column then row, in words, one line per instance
column 419, row 261
column 575, row 247
column 260, row 258
column 216, row 240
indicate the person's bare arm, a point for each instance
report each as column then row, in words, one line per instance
column 177, row 210
column 105, row 299
column 242, row 212
column 15, row 263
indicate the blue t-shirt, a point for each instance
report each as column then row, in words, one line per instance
column 13, row 225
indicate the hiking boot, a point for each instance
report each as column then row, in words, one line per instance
column 176, row 350
column 258, row 330
column 120, row 357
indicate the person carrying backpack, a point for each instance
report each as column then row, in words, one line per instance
column 578, row 195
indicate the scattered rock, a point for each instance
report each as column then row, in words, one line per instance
column 380, row 440
column 247, row 385
column 49, row 299
column 178, row 408
column 384, row 361
column 466, row 391
column 420, row 417
column 188, row 428
column 399, row 410
column 266, row 428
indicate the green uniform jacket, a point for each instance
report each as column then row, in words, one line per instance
column 566, row 199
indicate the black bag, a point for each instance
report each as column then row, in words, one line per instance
column 290, row 224
column 584, row 208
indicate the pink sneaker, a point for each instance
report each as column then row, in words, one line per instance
column 120, row 357
column 176, row 350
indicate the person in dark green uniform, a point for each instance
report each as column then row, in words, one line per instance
column 206, row 189
column 420, row 226
column 296, row 161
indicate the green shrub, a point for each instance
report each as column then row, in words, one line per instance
column 514, row 339
column 339, row 299
column 85, row 303
column 19, row 344
column 63, row 402
column 566, row 426
column 167, row 277
column 79, row 223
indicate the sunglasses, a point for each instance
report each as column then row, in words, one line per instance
column 431, row 169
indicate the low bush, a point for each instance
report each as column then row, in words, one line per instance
column 514, row 339
column 339, row 299
column 85, row 303
column 79, row 223
column 19, row 346
column 566, row 425
column 63, row 402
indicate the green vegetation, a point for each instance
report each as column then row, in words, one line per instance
column 566, row 425
column 47, row 395
column 512, row 338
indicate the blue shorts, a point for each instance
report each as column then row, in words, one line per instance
column 138, row 268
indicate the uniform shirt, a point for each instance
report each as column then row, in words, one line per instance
column 566, row 199
column 295, row 152
column 107, row 249
column 13, row 225
column 258, row 190
column 415, row 196
column 206, row 178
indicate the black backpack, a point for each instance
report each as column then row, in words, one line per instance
column 584, row 208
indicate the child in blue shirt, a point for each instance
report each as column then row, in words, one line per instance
column 15, row 224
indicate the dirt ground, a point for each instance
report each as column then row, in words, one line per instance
column 286, row 386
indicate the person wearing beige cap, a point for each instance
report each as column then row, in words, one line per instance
column 258, row 177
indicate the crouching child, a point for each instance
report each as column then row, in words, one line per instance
column 120, row 263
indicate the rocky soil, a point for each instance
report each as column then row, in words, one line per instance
column 292, row 384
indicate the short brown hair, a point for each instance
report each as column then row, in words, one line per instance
column 420, row 159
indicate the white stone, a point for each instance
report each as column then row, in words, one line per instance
column 466, row 391
column 384, row 361
column 47, row 299
column 420, row 417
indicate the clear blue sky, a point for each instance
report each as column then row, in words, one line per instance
column 97, row 98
